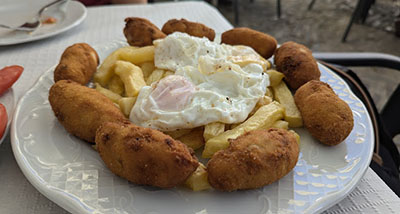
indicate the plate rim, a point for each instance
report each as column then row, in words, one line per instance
column 72, row 205
column 78, row 21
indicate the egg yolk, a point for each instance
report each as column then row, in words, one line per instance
column 172, row 93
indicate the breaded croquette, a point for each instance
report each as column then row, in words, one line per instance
column 141, row 32
column 262, row 43
column 78, row 63
column 191, row 28
column 144, row 156
column 81, row 110
column 254, row 159
column 297, row 63
column 328, row 118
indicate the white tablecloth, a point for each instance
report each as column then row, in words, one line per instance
column 104, row 24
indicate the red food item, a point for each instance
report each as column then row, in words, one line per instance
column 3, row 120
column 8, row 76
column 50, row 20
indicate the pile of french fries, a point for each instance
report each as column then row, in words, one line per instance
column 125, row 71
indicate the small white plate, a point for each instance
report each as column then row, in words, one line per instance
column 8, row 100
column 71, row 173
column 15, row 13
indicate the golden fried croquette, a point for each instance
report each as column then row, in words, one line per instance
column 144, row 156
column 141, row 32
column 78, row 63
column 81, row 110
column 254, row 159
column 262, row 43
column 191, row 28
column 297, row 63
column 328, row 118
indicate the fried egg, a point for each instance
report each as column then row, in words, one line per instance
column 211, row 83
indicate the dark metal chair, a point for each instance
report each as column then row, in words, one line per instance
column 360, row 13
column 236, row 10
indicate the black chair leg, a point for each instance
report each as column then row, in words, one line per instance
column 278, row 8
column 391, row 113
column 236, row 11
column 310, row 6
column 353, row 18
column 364, row 10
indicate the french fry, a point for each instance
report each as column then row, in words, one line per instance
column 106, row 69
column 198, row 180
column 116, row 85
column 284, row 96
column 281, row 124
column 296, row 135
column 233, row 125
column 111, row 95
column 213, row 129
column 147, row 69
column 126, row 104
column 269, row 64
column 269, row 93
column 264, row 118
column 178, row 133
column 262, row 102
column 132, row 77
column 194, row 139
column 155, row 76
column 167, row 73
column 275, row 77
column 138, row 55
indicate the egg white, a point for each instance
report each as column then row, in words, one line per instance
column 222, row 86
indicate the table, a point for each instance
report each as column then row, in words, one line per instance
column 19, row 196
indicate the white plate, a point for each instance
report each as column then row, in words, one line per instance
column 8, row 100
column 15, row 13
column 70, row 173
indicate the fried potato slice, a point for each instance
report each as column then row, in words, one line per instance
column 132, row 77
column 213, row 129
column 284, row 96
column 147, row 69
column 264, row 118
column 138, row 56
column 155, row 76
column 109, row 94
column 281, row 124
column 106, row 70
column 126, row 104
column 167, row 73
column 194, row 139
column 116, row 85
column 198, row 180
column 262, row 102
column 275, row 77
column 178, row 133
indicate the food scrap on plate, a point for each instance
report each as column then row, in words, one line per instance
column 175, row 90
